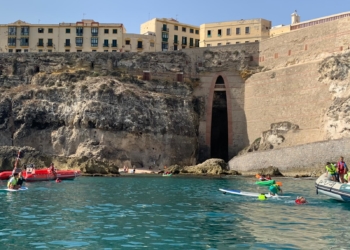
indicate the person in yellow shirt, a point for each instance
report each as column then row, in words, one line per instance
column 12, row 183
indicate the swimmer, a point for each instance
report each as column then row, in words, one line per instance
column 300, row 200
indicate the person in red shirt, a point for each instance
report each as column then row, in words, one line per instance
column 341, row 169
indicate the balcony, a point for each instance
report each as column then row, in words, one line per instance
column 114, row 45
column 191, row 44
column 24, row 44
column 208, row 35
column 184, row 43
column 94, row 45
column 105, row 45
column 139, row 47
column 49, row 44
column 79, row 33
column 40, row 44
column 24, row 33
column 165, row 40
column 94, row 33
column 79, row 44
column 11, row 44
column 66, row 44
column 165, row 29
column 176, row 41
column 12, row 33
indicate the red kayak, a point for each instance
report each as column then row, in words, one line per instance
column 32, row 174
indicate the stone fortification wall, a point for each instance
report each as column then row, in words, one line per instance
column 305, row 45
column 293, row 94
column 307, row 159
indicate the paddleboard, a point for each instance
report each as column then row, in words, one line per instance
column 251, row 194
column 13, row 190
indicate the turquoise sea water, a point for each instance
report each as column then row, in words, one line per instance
column 176, row 212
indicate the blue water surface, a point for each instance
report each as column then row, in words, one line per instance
column 176, row 212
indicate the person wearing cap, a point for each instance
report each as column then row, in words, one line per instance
column 12, row 183
column 331, row 170
column 274, row 189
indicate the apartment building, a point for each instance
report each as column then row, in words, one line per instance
column 233, row 32
column 83, row 36
column 170, row 34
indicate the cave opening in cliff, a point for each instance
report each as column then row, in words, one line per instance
column 220, row 80
column 219, row 127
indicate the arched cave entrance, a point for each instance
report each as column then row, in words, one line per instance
column 219, row 123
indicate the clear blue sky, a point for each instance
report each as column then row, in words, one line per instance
column 134, row 12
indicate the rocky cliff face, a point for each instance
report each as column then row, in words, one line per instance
column 91, row 107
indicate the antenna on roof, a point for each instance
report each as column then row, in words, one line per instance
column 176, row 17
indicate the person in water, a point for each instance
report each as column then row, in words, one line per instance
column 341, row 169
column 300, row 200
column 331, row 170
column 268, row 177
column 20, row 179
column 262, row 197
column 274, row 189
column 262, row 178
column 12, row 183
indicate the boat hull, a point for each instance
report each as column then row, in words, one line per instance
column 335, row 190
column 43, row 175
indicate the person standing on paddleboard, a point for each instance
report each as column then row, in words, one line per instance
column 274, row 189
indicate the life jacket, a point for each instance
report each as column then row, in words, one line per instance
column 12, row 181
column 341, row 166
column 331, row 169
column 262, row 197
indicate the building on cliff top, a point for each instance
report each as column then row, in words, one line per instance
column 83, row 36
column 234, row 32
column 171, row 34
column 296, row 24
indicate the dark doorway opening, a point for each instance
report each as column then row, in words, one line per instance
column 219, row 126
column 220, row 80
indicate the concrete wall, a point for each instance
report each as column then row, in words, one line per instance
column 291, row 94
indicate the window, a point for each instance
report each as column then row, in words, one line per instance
column 165, row 37
column 106, row 31
column 40, row 30
column 246, row 41
column 197, row 32
column 26, row 50
column 175, row 47
column 79, row 50
column 165, row 28
column 24, row 41
column 191, row 42
column 139, row 44
column 105, row 43
column 219, row 44
column 228, row 32
column 164, row 47
column 247, row 30
column 208, row 45
column 237, row 42
column 105, row 50
column 183, row 29
column 41, row 42
column 196, row 43
column 50, row 30
column 219, row 32
column 10, row 50
column 184, row 40
column 94, row 31
column 79, row 31
column 175, row 39
column 49, row 50
column 238, row 31
column 18, row 51
column 67, row 43
column 25, row 31
column 191, row 31
column 151, row 44
column 67, row 31
column 127, row 42
column 176, row 27
column 79, row 41
column 114, row 43
column 67, row 50
column 115, row 31
column 114, row 51
column 94, row 41
column 12, row 31
column 209, row 33
column 256, row 41
column 93, row 50
column 11, row 41
column 49, row 43
column 228, row 43
column 40, row 50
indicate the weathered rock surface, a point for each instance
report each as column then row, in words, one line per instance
column 210, row 167
column 94, row 115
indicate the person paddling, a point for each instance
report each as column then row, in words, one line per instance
column 20, row 180
column 274, row 189
column 12, row 183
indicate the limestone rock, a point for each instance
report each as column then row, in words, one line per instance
column 272, row 171
column 211, row 167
